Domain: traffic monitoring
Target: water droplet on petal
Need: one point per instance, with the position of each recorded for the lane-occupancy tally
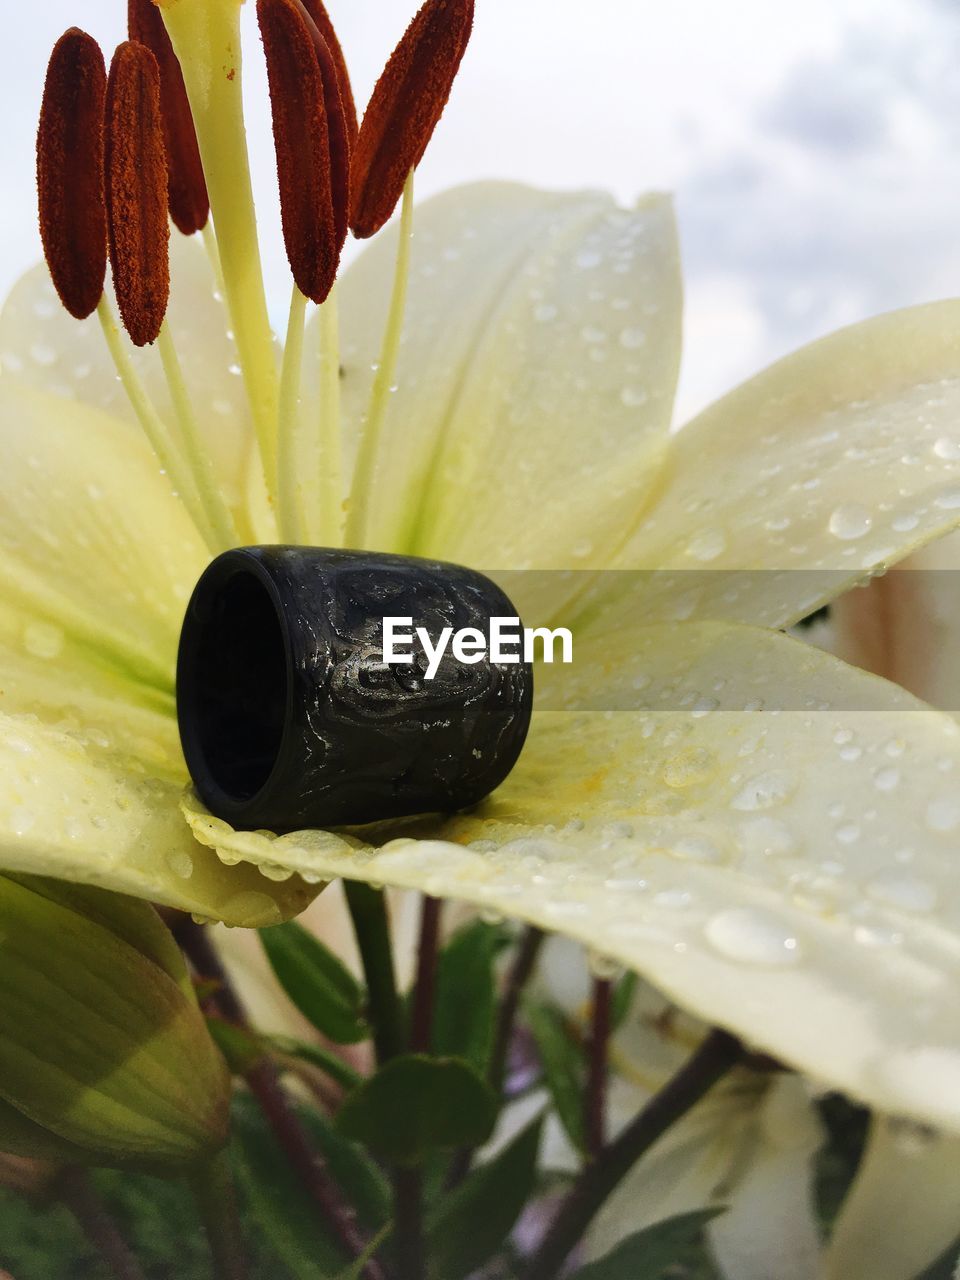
(904, 892)
(765, 791)
(850, 521)
(42, 639)
(707, 546)
(752, 937)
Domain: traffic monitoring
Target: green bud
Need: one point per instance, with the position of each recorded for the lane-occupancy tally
(104, 1053)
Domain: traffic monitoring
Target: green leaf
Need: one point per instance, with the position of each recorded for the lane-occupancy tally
(563, 1067)
(649, 1252)
(622, 1000)
(415, 1105)
(241, 1048)
(465, 1009)
(285, 1212)
(472, 1223)
(318, 983)
(316, 1056)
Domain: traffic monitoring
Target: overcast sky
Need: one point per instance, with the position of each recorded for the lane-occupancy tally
(814, 148)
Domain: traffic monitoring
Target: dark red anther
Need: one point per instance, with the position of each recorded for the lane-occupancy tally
(301, 137)
(136, 186)
(403, 112)
(339, 140)
(186, 187)
(73, 219)
(321, 20)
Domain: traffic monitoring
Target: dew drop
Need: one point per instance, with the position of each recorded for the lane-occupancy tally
(42, 639)
(633, 397)
(632, 338)
(21, 820)
(688, 767)
(943, 814)
(768, 836)
(707, 546)
(180, 863)
(904, 892)
(752, 937)
(905, 524)
(887, 779)
(765, 791)
(850, 521)
(947, 449)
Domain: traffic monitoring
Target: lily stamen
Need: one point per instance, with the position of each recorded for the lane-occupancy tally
(317, 13)
(186, 187)
(136, 188)
(302, 137)
(73, 218)
(404, 109)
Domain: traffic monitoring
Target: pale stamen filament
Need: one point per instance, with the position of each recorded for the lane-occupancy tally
(371, 427)
(161, 441)
(329, 470)
(194, 446)
(213, 255)
(206, 40)
(290, 436)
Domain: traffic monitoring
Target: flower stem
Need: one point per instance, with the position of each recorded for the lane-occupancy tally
(372, 426)
(216, 1199)
(517, 978)
(717, 1054)
(408, 1241)
(421, 1021)
(595, 1094)
(368, 911)
(74, 1189)
(264, 1083)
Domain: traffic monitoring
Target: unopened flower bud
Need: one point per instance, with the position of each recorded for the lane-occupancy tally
(104, 1054)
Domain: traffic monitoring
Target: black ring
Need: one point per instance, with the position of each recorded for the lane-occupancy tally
(289, 716)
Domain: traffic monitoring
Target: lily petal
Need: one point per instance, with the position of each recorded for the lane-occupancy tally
(73, 813)
(854, 462)
(45, 347)
(747, 1147)
(96, 548)
(537, 326)
(903, 1210)
(768, 872)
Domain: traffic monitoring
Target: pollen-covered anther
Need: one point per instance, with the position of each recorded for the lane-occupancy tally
(301, 137)
(73, 221)
(136, 186)
(404, 109)
(318, 15)
(341, 118)
(186, 187)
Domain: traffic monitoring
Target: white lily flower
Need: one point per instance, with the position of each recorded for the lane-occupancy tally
(764, 833)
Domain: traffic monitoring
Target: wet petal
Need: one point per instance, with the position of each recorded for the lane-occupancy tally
(96, 549)
(51, 351)
(536, 376)
(903, 1209)
(788, 874)
(837, 460)
(770, 1227)
(71, 811)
